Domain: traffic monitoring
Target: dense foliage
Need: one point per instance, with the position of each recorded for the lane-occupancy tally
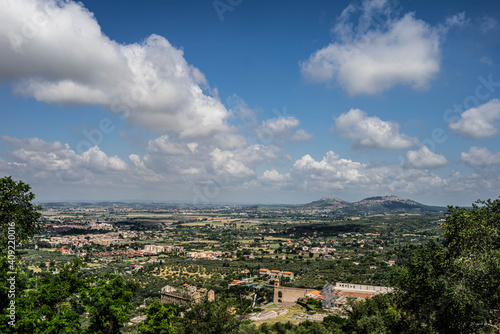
(16, 208)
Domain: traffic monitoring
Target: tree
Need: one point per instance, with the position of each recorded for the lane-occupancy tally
(55, 306)
(108, 302)
(19, 221)
(379, 314)
(452, 286)
(51, 308)
(210, 317)
(159, 319)
(473, 231)
(16, 207)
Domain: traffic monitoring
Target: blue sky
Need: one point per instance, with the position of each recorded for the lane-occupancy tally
(251, 101)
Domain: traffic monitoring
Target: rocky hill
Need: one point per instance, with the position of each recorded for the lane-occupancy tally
(370, 205)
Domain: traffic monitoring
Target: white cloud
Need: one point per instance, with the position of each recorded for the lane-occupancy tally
(63, 91)
(198, 162)
(457, 20)
(480, 157)
(59, 162)
(98, 161)
(424, 159)
(487, 23)
(301, 135)
(169, 165)
(273, 176)
(56, 52)
(371, 132)
(241, 109)
(333, 173)
(280, 130)
(224, 162)
(191, 171)
(141, 173)
(330, 168)
(164, 145)
(377, 55)
(347, 178)
(34, 144)
(208, 173)
(479, 122)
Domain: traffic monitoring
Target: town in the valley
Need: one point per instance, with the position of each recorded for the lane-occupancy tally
(285, 263)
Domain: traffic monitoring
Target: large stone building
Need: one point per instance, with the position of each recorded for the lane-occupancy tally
(330, 295)
(154, 249)
(187, 295)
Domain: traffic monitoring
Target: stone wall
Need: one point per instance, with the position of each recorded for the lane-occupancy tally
(288, 295)
(175, 298)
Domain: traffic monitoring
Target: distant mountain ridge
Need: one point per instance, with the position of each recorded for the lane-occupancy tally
(372, 205)
(328, 199)
(327, 205)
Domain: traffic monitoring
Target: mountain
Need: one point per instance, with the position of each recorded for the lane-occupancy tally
(328, 199)
(395, 204)
(370, 205)
(325, 203)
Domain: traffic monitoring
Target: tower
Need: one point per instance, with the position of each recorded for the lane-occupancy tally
(278, 294)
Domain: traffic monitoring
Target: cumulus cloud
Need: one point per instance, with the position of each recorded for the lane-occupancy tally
(57, 161)
(164, 145)
(96, 160)
(333, 173)
(477, 157)
(458, 20)
(280, 130)
(203, 172)
(380, 52)
(168, 165)
(273, 176)
(240, 108)
(56, 52)
(34, 144)
(331, 168)
(224, 162)
(424, 158)
(479, 122)
(141, 174)
(371, 132)
(198, 162)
